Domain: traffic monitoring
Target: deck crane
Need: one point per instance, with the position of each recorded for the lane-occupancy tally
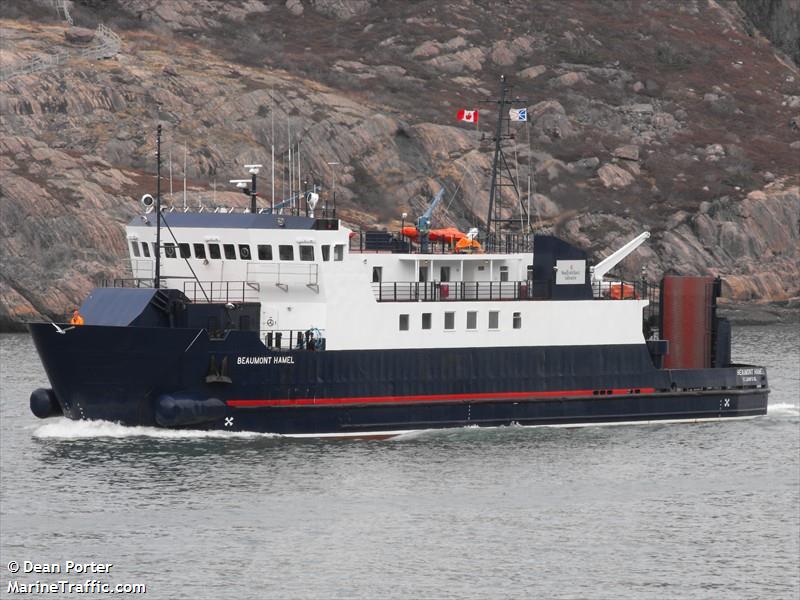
(424, 220)
(598, 272)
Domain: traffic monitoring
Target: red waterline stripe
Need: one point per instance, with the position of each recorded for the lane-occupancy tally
(433, 397)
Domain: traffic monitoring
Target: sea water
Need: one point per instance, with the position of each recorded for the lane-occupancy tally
(706, 510)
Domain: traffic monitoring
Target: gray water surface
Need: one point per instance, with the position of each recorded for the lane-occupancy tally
(649, 511)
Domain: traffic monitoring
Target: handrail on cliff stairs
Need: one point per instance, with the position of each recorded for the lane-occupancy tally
(108, 45)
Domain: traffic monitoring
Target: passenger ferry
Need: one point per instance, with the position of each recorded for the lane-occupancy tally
(296, 324)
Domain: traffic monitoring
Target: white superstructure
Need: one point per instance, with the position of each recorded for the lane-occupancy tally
(305, 276)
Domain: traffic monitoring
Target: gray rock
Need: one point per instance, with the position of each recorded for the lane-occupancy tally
(641, 108)
(614, 177)
(588, 164)
(544, 207)
(426, 50)
(627, 152)
(532, 72)
(550, 119)
(79, 35)
(295, 7)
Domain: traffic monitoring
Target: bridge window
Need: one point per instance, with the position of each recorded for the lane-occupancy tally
(213, 251)
(199, 251)
(403, 322)
(244, 251)
(146, 249)
(338, 252)
(449, 320)
(472, 319)
(494, 319)
(517, 320)
(326, 252)
(169, 250)
(185, 252)
(135, 248)
(264, 252)
(307, 253)
(230, 251)
(426, 320)
(286, 252)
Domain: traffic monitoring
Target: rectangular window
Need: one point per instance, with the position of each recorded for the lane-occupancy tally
(286, 252)
(169, 250)
(494, 319)
(377, 274)
(326, 252)
(472, 319)
(338, 252)
(244, 251)
(230, 251)
(503, 273)
(426, 320)
(403, 322)
(199, 251)
(185, 252)
(146, 249)
(449, 320)
(517, 320)
(264, 252)
(444, 274)
(135, 248)
(307, 253)
(213, 251)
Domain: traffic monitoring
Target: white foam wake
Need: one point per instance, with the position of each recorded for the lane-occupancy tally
(786, 409)
(74, 430)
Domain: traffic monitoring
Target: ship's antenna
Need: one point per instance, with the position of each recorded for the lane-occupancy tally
(530, 171)
(272, 145)
(157, 282)
(169, 157)
(291, 171)
(184, 176)
(300, 189)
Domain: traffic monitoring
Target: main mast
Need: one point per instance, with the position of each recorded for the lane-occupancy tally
(157, 282)
(501, 172)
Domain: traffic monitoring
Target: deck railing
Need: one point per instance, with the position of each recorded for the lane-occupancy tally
(222, 291)
(453, 291)
(397, 243)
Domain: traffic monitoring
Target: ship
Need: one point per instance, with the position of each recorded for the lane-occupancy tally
(281, 319)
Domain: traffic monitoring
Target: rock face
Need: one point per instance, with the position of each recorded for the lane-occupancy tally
(614, 177)
(663, 130)
(779, 20)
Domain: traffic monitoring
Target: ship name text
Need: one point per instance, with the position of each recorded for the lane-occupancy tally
(265, 360)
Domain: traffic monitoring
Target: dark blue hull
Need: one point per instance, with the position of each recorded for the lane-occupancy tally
(181, 378)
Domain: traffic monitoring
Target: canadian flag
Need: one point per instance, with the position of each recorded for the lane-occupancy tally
(470, 116)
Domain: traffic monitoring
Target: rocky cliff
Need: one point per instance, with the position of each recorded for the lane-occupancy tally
(779, 20)
(677, 118)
